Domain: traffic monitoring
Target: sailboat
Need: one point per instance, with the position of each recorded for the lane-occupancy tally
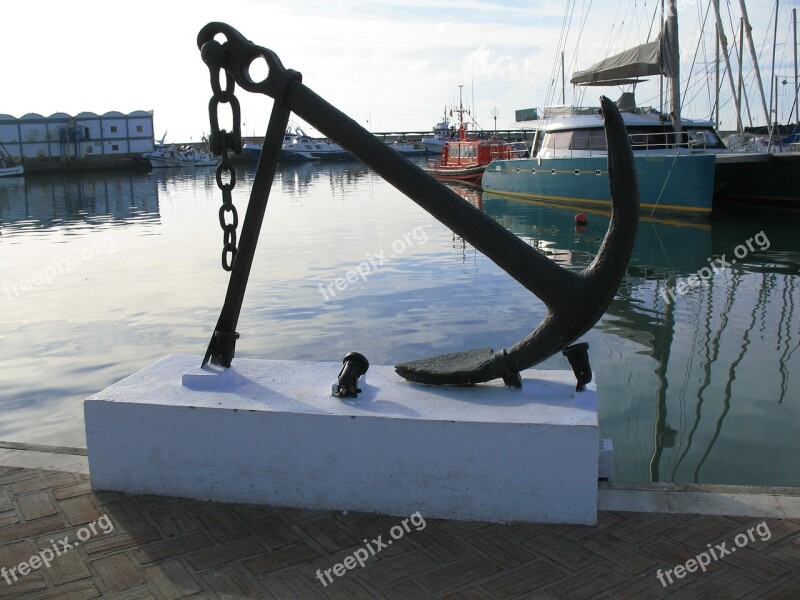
(569, 164)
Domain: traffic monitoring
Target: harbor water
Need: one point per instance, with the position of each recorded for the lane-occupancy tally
(696, 360)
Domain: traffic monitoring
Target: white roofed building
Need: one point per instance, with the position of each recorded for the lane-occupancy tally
(81, 136)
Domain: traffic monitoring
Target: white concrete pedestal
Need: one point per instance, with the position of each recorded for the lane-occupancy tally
(268, 432)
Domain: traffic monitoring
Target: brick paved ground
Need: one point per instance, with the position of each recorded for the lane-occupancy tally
(175, 548)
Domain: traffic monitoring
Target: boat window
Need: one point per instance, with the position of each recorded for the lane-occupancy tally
(559, 140)
(707, 138)
(588, 139)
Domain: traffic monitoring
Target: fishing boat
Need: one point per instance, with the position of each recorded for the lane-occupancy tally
(408, 148)
(674, 162)
(176, 156)
(298, 146)
(8, 166)
(466, 160)
(443, 132)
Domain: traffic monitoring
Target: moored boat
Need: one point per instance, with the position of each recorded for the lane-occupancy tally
(443, 132)
(297, 146)
(466, 159)
(172, 156)
(8, 166)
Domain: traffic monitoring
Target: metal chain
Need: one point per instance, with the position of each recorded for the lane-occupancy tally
(221, 142)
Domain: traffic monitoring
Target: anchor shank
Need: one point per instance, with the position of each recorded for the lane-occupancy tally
(552, 284)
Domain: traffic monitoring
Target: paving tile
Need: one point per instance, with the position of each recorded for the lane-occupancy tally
(328, 534)
(165, 549)
(222, 525)
(68, 567)
(273, 530)
(117, 572)
(523, 581)
(79, 590)
(496, 547)
(9, 518)
(231, 582)
(725, 585)
(561, 551)
(407, 590)
(70, 491)
(36, 505)
(43, 482)
(644, 527)
(220, 554)
(457, 575)
(122, 541)
(79, 510)
(172, 520)
(587, 583)
(468, 594)
(282, 586)
(13, 553)
(437, 539)
(386, 572)
(626, 556)
(172, 580)
(279, 559)
(23, 586)
(125, 515)
(49, 524)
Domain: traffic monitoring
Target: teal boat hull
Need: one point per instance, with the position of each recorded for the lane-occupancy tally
(682, 184)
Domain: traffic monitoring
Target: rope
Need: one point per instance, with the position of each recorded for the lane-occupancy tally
(661, 193)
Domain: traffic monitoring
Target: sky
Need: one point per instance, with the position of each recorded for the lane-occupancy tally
(391, 65)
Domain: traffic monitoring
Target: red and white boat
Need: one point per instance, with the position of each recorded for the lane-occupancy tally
(466, 159)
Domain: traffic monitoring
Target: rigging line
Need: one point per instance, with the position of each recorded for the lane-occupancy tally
(559, 47)
(694, 60)
(573, 63)
(653, 20)
(666, 179)
(740, 60)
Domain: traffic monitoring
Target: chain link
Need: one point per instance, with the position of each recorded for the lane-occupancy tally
(221, 142)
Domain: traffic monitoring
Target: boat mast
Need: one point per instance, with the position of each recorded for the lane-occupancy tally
(724, 42)
(773, 92)
(675, 78)
(716, 78)
(749, 33)
(661, 79)
(796, 106)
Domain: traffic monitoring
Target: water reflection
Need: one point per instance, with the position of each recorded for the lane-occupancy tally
(697, 385)
(47, 201)
(715, 352)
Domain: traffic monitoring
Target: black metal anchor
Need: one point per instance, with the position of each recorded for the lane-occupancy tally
(575, 301)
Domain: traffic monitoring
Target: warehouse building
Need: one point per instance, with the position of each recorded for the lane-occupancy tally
(84, 135)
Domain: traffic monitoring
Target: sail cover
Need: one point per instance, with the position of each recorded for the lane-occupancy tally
(653, 58)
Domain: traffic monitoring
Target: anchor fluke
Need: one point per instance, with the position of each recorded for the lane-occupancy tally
(575, 301)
